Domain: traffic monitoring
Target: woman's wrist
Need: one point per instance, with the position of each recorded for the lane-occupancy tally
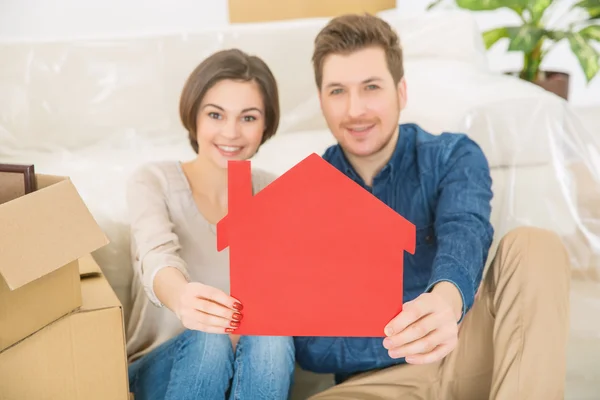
(168, 285)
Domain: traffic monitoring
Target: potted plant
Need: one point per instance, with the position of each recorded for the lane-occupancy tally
(535, 38)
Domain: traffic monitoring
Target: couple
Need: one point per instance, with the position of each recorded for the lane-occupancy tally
(455, 338)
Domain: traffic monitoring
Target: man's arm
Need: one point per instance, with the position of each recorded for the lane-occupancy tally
(462, 223)
(427, 328)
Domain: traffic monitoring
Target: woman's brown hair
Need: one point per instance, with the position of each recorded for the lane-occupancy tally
(231, 64)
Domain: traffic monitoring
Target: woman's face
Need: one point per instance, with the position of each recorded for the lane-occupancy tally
(230, 122)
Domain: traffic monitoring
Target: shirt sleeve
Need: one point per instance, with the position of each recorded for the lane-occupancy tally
(154, 243)
(462, 224)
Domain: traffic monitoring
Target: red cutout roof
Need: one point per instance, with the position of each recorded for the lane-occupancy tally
(313, 253)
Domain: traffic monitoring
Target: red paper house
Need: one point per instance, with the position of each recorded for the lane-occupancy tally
(313, 253)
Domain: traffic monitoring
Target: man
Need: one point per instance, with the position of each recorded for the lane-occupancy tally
(509, 342)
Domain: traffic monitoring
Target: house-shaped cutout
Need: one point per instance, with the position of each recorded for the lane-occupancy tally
(313, 253)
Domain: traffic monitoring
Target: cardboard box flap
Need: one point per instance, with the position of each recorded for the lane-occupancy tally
(45, 230)
(96, 291)
(88, 268)
(97, 294)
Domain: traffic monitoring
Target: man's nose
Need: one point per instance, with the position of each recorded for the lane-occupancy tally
(356, 105)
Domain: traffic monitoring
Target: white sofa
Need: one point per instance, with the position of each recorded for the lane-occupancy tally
(96, 109)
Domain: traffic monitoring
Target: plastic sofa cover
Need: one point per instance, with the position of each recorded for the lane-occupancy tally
(95, 109)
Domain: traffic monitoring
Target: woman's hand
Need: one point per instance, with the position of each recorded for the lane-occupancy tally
(199, 307)
(208, 309)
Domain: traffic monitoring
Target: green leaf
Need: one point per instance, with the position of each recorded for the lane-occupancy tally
(488, 5)
(591, 6)
(591, 32)
(537, 8)
(524, 38)
(588, 3)
(588, 57)
(556, 35)
(594, 12)
(434, 4)
(493, 35)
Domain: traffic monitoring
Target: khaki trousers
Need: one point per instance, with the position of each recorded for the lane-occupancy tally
(512, 343)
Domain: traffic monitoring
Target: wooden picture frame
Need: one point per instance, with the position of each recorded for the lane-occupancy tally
(16, 180)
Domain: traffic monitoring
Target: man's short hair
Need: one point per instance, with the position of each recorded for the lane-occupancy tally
(351, 32)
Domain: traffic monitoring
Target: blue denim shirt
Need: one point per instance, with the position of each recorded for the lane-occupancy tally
(442, 184)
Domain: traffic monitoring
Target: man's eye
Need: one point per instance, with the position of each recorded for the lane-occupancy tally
(336, 91)
(372, 87)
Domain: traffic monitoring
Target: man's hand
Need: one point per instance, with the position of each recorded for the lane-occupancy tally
(426, 330)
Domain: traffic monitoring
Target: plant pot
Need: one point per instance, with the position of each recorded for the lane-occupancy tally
(553, 81)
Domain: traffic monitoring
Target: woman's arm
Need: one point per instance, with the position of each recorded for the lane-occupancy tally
(163, 272)
(155, 245)
(169, 283)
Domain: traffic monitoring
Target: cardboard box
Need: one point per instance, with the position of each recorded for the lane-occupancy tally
(42, 234)
(81, 356)
(268, 10)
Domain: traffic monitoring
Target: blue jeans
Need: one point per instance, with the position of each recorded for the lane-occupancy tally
(197, 365)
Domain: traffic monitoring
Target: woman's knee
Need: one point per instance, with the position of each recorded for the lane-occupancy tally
(272, 351)
(205, 346)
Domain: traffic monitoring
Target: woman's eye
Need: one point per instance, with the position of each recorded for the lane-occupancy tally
(249, 118)
(214, 115)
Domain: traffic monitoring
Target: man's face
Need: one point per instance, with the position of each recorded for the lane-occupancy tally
(360, 101)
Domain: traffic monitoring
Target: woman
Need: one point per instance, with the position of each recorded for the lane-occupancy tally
(181, 336)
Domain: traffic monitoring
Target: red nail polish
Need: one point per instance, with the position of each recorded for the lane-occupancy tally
(228, 330)
(238, 306)
(235, 324)
(237, 316)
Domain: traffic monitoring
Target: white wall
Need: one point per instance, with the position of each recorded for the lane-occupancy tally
(59, 19)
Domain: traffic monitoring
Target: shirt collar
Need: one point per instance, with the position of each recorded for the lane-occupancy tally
(390, 168)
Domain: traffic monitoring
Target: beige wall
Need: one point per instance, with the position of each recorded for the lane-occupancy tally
(270, 10)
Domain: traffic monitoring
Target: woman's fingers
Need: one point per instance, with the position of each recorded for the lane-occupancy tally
(209, 309)
(212, 308)
(218, 296)
(198, 326)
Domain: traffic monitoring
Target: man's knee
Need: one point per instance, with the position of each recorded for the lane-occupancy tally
(532, 234)
(542, 248)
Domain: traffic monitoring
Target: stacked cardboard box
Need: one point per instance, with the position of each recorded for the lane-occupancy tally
(61, 325)
(241, 11)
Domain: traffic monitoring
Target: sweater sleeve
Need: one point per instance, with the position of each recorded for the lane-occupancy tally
(154, 244)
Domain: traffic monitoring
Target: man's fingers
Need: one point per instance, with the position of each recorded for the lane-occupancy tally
(423, 345)
(411, 311)
(437, 354)
(414, 331)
